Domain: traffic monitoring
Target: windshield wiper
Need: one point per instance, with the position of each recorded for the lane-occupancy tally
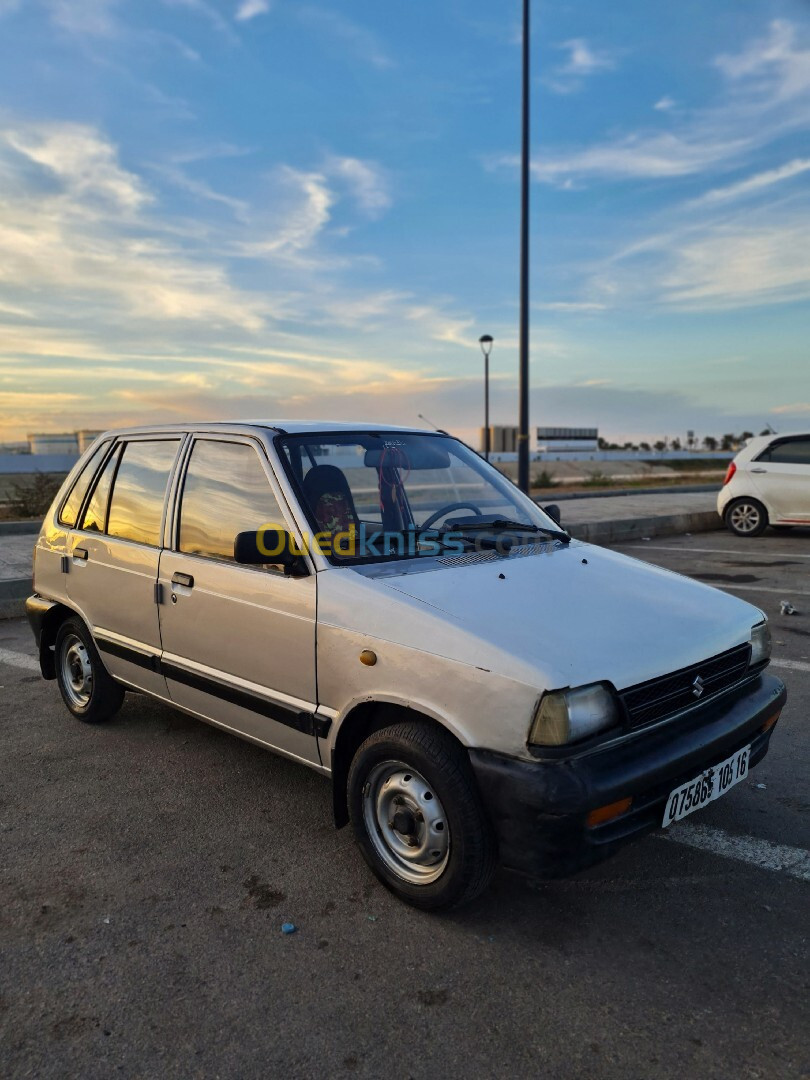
(499, 524)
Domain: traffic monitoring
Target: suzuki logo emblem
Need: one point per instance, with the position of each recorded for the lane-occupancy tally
(697, 687)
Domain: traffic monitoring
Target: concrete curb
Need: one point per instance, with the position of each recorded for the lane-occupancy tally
(19, 528)
(13, 594)
(617, 532)
(621, 493)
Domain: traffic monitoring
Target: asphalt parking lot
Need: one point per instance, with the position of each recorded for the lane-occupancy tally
(147, 867)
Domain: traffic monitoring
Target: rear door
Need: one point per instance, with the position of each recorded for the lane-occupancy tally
(238, 641)
(114, 555)
(781, 474)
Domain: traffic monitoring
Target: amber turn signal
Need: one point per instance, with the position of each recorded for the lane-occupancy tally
(608, 813)
(771, 721)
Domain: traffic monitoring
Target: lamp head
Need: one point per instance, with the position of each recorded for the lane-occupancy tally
(486, 344)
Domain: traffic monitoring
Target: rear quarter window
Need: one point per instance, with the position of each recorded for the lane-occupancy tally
(789, 452)
(73, 503)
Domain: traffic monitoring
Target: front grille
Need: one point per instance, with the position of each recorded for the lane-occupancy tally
(669, 694)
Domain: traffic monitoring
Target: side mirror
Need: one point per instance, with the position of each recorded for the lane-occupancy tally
(553, 512)
(269, 546)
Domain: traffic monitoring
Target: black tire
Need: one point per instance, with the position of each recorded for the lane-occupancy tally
(438, 767)
(746, 517)
(88, 690)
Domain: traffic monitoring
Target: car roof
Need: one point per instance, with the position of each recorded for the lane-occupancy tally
(287, 427)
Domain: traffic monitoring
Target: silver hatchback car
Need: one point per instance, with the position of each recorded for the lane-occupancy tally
(383, 606)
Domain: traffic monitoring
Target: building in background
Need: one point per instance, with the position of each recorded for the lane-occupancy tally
(503, 438)
(49, 442)
(556, 440)
(63, 442)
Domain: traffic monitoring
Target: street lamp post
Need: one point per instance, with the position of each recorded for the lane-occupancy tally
(523, 412)
(486, 348)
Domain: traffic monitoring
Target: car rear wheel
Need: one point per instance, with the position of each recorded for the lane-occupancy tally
(88, 690)
(746, 517)
(417, 816)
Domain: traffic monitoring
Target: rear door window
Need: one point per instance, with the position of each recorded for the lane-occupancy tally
(73, 504)
(139, 491)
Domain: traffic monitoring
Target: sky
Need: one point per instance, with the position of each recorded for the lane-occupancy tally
(276, 208)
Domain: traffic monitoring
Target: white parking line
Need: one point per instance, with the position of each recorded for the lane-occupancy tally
(791, 665)
(789, 590)
(18, 659)
(750, 553)
(795, 862)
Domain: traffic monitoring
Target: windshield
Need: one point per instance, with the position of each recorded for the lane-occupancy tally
(370, 495)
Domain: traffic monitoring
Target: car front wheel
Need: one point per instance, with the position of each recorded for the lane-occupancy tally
(417, 816)
(746, 517)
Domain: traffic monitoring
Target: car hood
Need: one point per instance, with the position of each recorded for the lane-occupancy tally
(580, 613)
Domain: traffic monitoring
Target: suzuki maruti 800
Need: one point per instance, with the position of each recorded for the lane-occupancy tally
(383, 606)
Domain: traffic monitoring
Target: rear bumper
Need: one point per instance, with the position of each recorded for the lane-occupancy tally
(38, 609)
(539, 809)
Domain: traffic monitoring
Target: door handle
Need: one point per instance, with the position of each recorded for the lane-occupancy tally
(759, 470)
(183, 579)
(80, 553)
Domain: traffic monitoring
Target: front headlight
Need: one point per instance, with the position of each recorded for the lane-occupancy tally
(760, 643)
(564, 716)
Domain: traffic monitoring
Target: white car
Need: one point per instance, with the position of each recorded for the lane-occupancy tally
(384, 607)
(767, 483)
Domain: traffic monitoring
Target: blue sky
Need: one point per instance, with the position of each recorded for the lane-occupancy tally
(224, 208)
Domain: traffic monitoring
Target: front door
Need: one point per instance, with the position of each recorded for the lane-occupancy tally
(238, 641)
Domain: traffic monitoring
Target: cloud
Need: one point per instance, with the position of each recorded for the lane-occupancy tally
(74, 231)
(664, 104)
(776, 64)
(206, 11)
(309, 201)
(367, 183)
(84, 162)
(755, 183)
(765, 95)
(749, 261)
(249, 9)
(94, 18)
(575, 307)
(364, 44)
(109, 298)
(583, 61)
(305, 203)
(800, 408)
(656, 156)
(8, 7)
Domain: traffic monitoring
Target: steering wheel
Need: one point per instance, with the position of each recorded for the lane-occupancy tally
(448, 510)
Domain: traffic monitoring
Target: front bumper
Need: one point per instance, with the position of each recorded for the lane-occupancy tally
(539, 809)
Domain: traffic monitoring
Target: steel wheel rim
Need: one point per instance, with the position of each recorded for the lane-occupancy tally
(406, 823)
(745, 517)
(77, 671)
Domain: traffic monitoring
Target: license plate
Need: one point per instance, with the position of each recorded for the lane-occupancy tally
(710, 785)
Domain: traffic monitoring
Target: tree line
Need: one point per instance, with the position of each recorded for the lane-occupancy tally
(710, 443)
